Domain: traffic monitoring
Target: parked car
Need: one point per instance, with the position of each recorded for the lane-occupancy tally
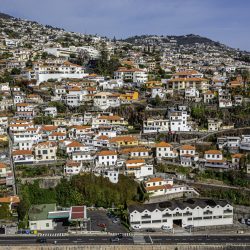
(243, 221)
(188, 227)
(115, 221)
(102, 225)
(120, 236)
(136, 226)
(115, 239)
(151, 230)
(41, 240)
(248, 222)
(165, 227)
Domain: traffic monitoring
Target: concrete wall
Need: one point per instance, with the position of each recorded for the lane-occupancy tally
(135, 247)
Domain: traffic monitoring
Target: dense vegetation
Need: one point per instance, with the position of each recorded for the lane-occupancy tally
(232, 177)
(85, 189)
(237, 197)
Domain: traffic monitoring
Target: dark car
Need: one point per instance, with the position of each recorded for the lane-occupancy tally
(151, 230)
(120, 236)
(188, 227)
(116, 239)
(41, 240)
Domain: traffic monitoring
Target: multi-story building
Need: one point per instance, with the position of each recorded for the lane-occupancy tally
(133, 75)
(214, 159)
(194, 212)
(43, 71)
(155, 125)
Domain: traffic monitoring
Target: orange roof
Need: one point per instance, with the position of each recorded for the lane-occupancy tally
(209, 92)
(196, 79)
(103, 137)
(58, 134)
(71, 64)
(72, 163)
(110, 118)
(134, 149)
(106, 153)
(187, 147)
(22, 152)
(80, 127)
(211, 160)
(153, 188)
(22, 104)
(46, 144)
(216, 152)
(49, 127)
(135, 161)
(237, 155)
(187, 72)
(75, 89)
(2, 165)
(10, 199)
(163, 145)
(123, 69)
(155, 179)
(75, 144)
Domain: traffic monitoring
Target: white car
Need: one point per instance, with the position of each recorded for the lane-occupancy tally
(136, 226)
(165, 227)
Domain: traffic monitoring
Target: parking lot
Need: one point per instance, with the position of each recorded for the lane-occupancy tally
(100, 217)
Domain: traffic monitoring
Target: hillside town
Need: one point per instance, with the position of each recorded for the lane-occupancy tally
(145, 134)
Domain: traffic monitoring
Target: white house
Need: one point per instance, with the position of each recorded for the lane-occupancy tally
(72, 168)
(38, 217)
(188, 155)
(138, 168)
(106, 158)
(214, 159)
(112, 175)
(179, 120)
(165, 150)
(23, 156)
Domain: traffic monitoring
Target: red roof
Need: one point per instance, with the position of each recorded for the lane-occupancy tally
(77, 212)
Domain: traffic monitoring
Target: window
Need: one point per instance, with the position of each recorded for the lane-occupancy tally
(47, 224)
(207, 217)
(156, 221)
(197, 218)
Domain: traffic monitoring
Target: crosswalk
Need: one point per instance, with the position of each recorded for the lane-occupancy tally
(51, 234)
(124, 234)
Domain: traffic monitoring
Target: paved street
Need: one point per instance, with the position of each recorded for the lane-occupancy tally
(127, 240)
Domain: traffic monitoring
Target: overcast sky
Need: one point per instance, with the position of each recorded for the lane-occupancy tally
(227, 21)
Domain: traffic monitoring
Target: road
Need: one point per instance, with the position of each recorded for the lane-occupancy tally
(128, 240)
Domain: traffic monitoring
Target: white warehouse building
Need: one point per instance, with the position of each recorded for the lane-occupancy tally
(194, 212)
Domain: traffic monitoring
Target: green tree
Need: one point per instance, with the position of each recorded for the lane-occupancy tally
(15, 71)
(4, 212)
